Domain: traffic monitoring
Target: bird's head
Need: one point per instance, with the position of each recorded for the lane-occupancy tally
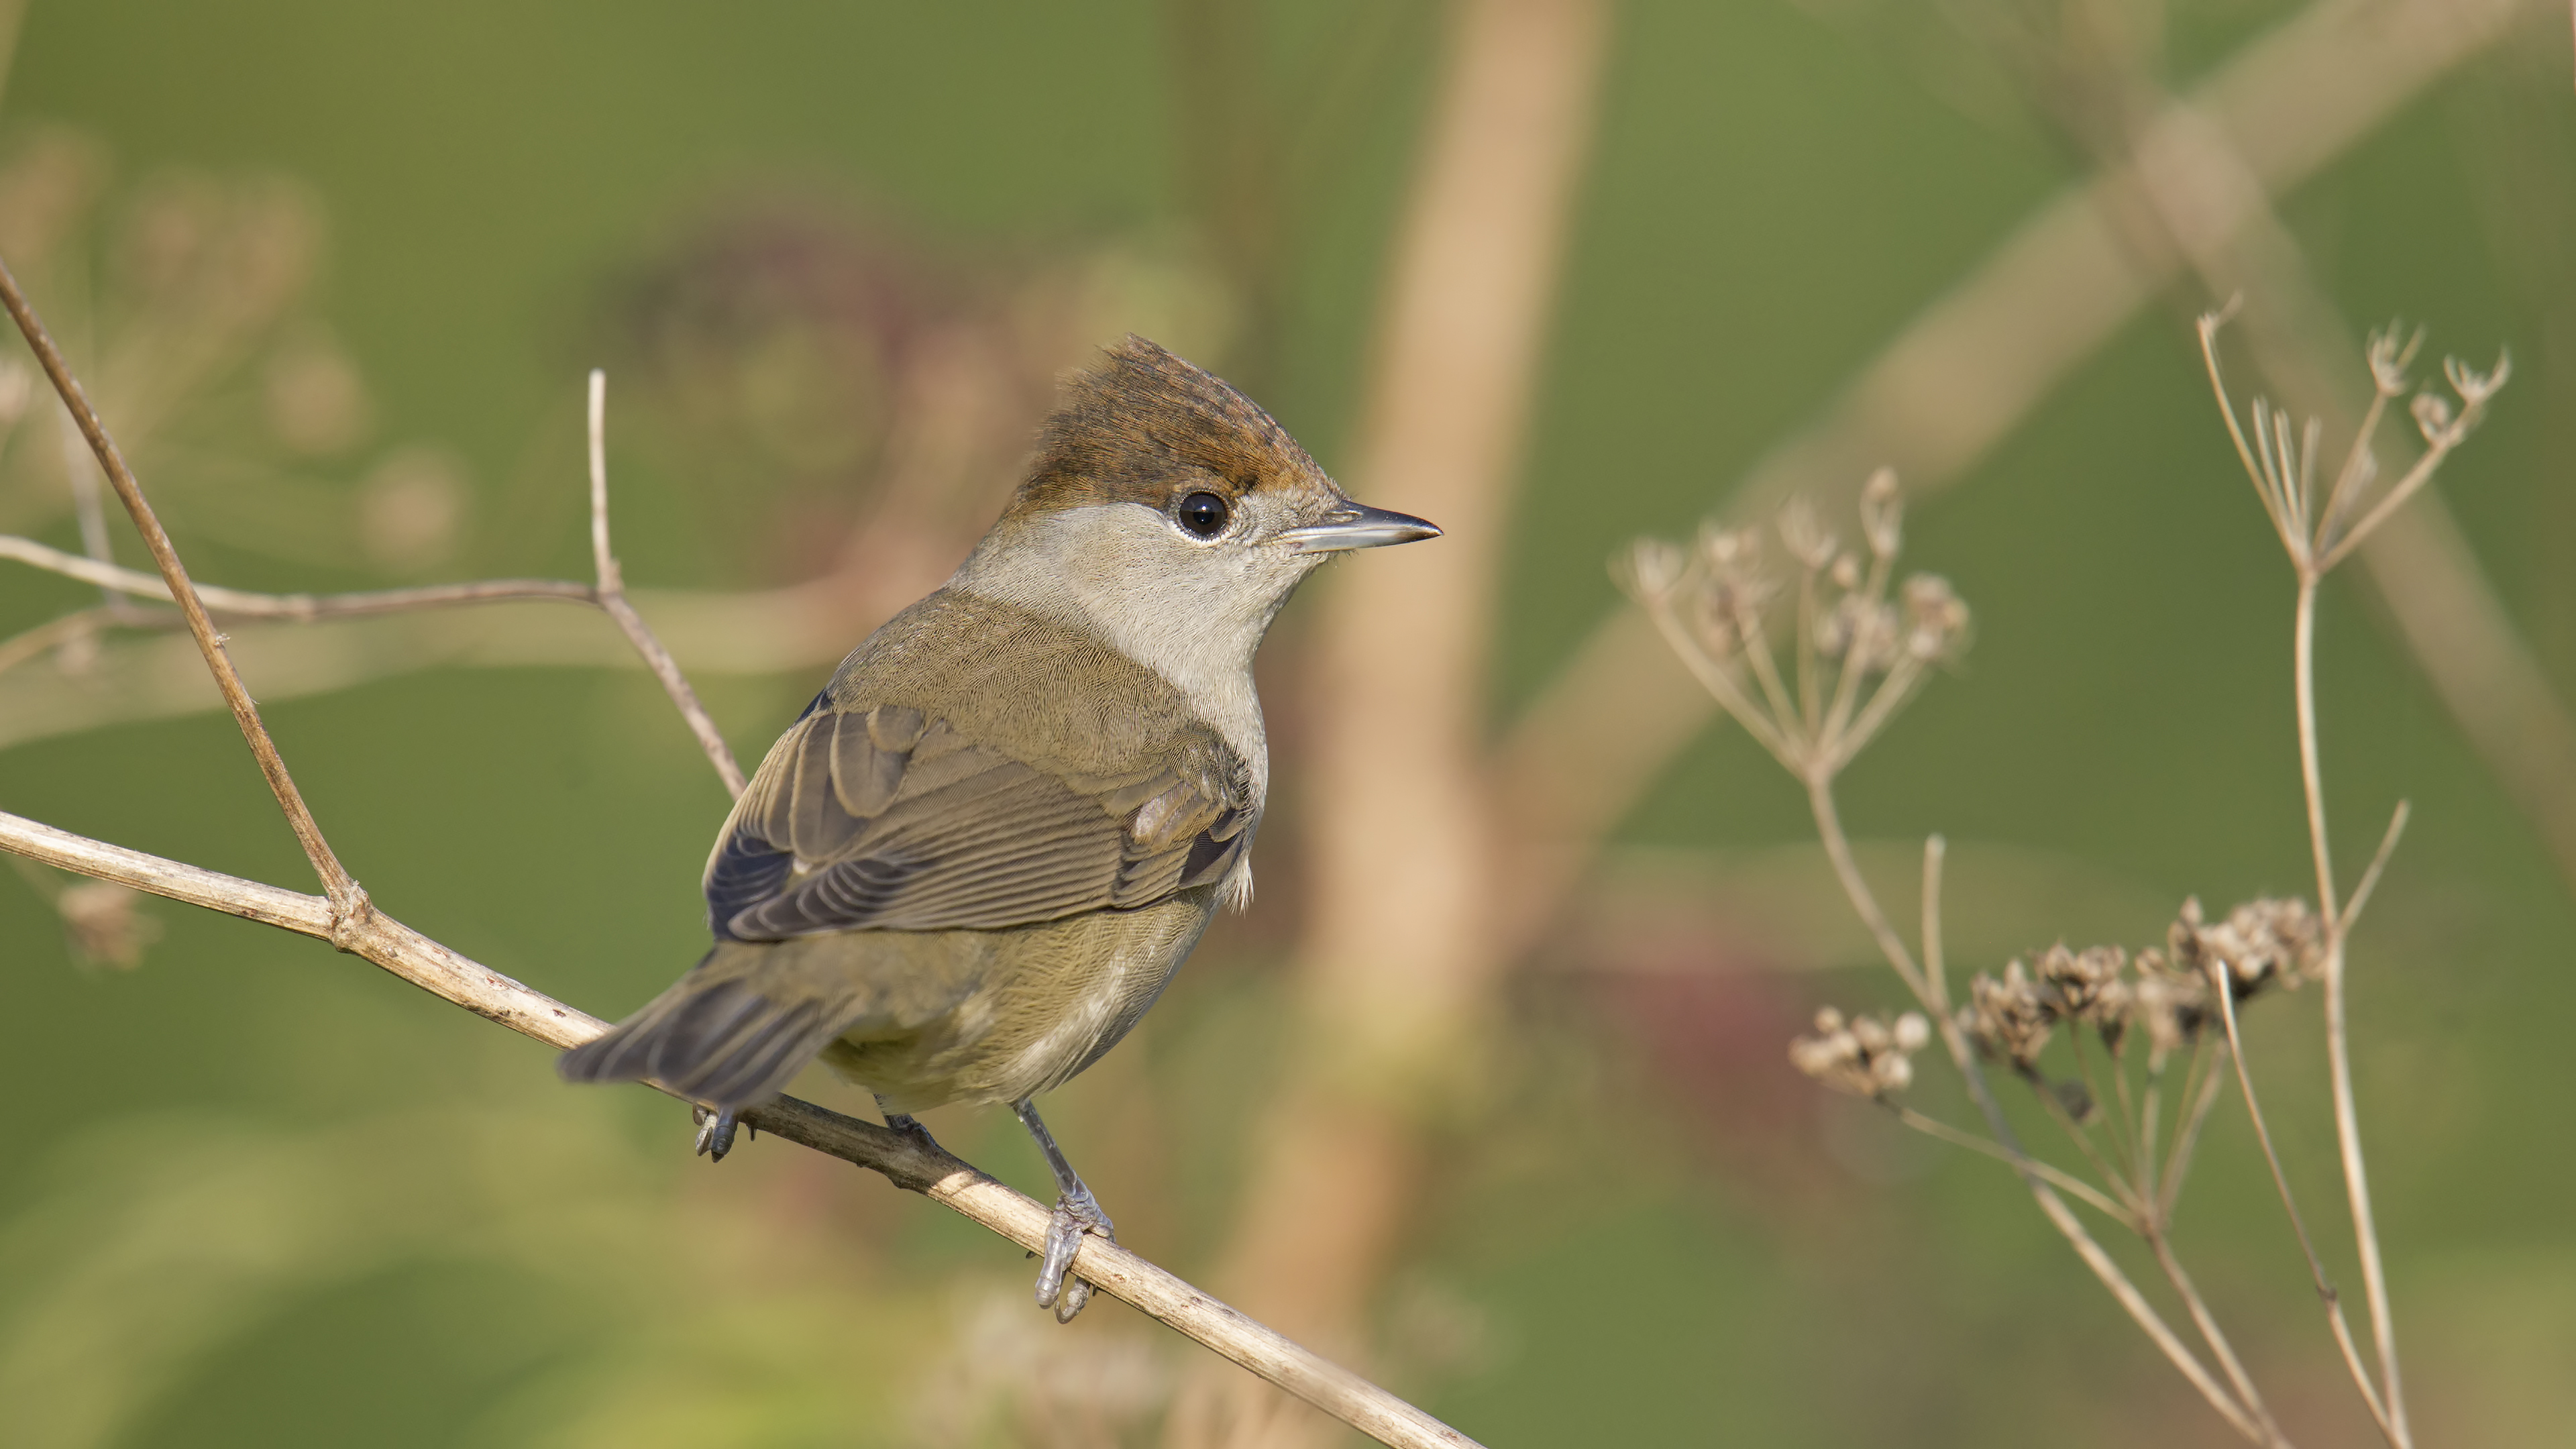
(1164, 507)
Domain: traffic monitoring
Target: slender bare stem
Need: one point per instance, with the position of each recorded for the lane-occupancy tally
(1847, 690)
(2150, 1121)
(905, 1161)
(2115, 1124)
(2084, 1143)
(2370, 877)
(1936, 977)
(2356, 1179)
(1757, 652)
(2405, 488)
(1811, 705)
(2326, 1293)
(2057, 1177)
(2210, 322)
(1721, 685)
(348, 902)
(2210, 1334)
(1838, 850)
(2187, 1136)
(2304, 670)
(612, 598)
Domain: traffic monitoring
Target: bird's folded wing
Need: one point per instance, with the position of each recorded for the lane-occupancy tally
(883, 819)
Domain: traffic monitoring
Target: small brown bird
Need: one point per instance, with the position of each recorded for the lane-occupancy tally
(980, 854)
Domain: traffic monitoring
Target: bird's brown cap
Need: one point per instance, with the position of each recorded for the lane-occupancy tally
(1145, 427)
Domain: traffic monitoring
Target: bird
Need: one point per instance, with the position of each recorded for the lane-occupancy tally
(970, 866)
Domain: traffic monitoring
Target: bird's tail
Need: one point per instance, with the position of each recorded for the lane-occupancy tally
(721, 1035)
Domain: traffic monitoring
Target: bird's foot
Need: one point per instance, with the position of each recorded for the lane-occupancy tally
(910, 1126)
(1076, 1213)
(715, 1132)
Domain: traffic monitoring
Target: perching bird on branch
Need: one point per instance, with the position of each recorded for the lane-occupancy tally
(981, 853)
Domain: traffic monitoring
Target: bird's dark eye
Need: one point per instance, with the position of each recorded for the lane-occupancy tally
(1202, 514)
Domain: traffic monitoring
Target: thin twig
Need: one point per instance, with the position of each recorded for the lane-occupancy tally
(611, 596)
(1936, 975)
(297, 608)
(348, 902)
(903, 1160)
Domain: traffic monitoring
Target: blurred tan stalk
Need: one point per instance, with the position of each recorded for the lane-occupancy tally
(1398, 948)
(1966, 371)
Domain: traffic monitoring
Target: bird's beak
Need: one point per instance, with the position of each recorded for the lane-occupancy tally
(1355, 525)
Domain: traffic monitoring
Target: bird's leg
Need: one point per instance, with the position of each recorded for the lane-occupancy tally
(909, 1125)
(715, 1132)
(1076, 1212)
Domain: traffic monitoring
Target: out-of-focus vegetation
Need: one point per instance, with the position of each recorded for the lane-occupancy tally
(335, 273)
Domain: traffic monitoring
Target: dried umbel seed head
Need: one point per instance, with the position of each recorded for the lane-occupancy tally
(2433, 418)
(2172, 1004)
(1871, 634)
(2476, 387)
(1864, 1056)
(1653, 568)
(2087, 986)
(2389, 357)
(2008, 1018)
(1862, 648)
(2261, 943)
(1937, 620)
(1730, 552)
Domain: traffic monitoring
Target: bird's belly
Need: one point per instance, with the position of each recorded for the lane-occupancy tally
(1051, 998)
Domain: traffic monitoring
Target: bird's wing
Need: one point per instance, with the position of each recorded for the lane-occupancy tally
(885, 819)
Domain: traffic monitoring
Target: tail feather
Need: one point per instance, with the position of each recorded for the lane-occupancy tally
(720, 1041)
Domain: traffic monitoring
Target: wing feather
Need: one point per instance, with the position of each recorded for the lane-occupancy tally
(885, 819)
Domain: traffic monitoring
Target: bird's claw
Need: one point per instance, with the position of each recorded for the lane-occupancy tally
(1075, 1215)
(715, 1132)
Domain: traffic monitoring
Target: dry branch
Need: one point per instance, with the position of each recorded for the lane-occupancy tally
(902, 1160)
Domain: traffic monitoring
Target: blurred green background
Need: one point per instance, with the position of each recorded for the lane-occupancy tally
(263, 1194)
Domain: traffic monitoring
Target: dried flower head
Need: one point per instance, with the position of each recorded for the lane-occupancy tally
(2261, 943)
(1865, 1056)
(2170, 1001)
(2320, 520)
(2087, 986)
(1860, 642)
(2389, 357)
(2009, 1017)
